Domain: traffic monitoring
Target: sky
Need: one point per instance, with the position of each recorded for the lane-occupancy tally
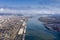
(30, 6)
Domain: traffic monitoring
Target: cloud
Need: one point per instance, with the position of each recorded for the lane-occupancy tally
(6, 10)
(47, 10)
(36, 7)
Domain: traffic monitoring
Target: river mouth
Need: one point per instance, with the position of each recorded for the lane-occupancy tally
(37, 31)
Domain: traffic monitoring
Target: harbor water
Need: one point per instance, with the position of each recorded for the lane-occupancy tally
(37, 31)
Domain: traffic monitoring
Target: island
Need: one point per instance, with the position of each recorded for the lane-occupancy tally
(51, 22)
